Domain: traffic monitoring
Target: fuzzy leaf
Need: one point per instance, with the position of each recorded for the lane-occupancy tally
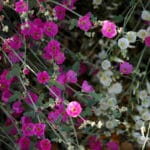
(30, 113)
(76, 66)
(148, 86)
(40, 99)
(32, 4)
(14, 72)
(15, 96)
(118, 19)
(87, 112)
(50, 103)
(52, 82)
(73, 24)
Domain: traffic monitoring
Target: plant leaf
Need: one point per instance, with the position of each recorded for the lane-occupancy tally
(15, 96)
(15, 71)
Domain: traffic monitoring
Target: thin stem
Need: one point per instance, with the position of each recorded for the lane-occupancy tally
(7, 144)
(77, 14)
(64, 141)
(75, 133)
(139, 62)
(146, 69)
(146, 138)
(34, 106)
(9, 116)
(38, 59)
(128, 16)
(7, 136)
(142, 4)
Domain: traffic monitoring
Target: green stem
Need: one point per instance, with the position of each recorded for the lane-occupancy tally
(146, 138)
(77, 14)
(7, 136)
(7, 144)
(75, 133)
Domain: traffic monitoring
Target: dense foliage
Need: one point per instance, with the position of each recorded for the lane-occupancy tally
(74, 74)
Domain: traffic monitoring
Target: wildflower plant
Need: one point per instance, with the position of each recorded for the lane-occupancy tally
(74, 74)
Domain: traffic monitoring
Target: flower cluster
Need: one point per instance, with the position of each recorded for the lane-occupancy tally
(72, 79)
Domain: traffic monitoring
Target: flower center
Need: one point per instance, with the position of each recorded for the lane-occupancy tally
(49, 29)
(83, 22)
(108, 29)
(29, 128)
(54, 48)
(73, 109)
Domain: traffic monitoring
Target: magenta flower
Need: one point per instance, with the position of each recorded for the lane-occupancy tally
(18, 107)
(84, 23)
(6, 94)
(13, 131)
(8, 122)
(43, 77)
(4, 82)
(16, 114)
(25, 28)
(147, 41)
(94, 143)
(15, 42)
(71, 76)
(62, 78)
(21, 6)
(50, 29)
(83, 68)
(33, 97)
(39, 129)
(6, 46)
(73, 109)
(86, 87)
(47, 56)
(45, 144)
(58, 112)
(15, 58)
(25, 119)
(59, 58)
(79, 121)
(62, 112)
(26, 71)
(112, 146)
(27, 129)
(38, 22)
(125, 68)
(55, 90)
(53, 116)
(60, 12)
(36, 32)
(109, 29)
(53, 48)
(24, 143)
